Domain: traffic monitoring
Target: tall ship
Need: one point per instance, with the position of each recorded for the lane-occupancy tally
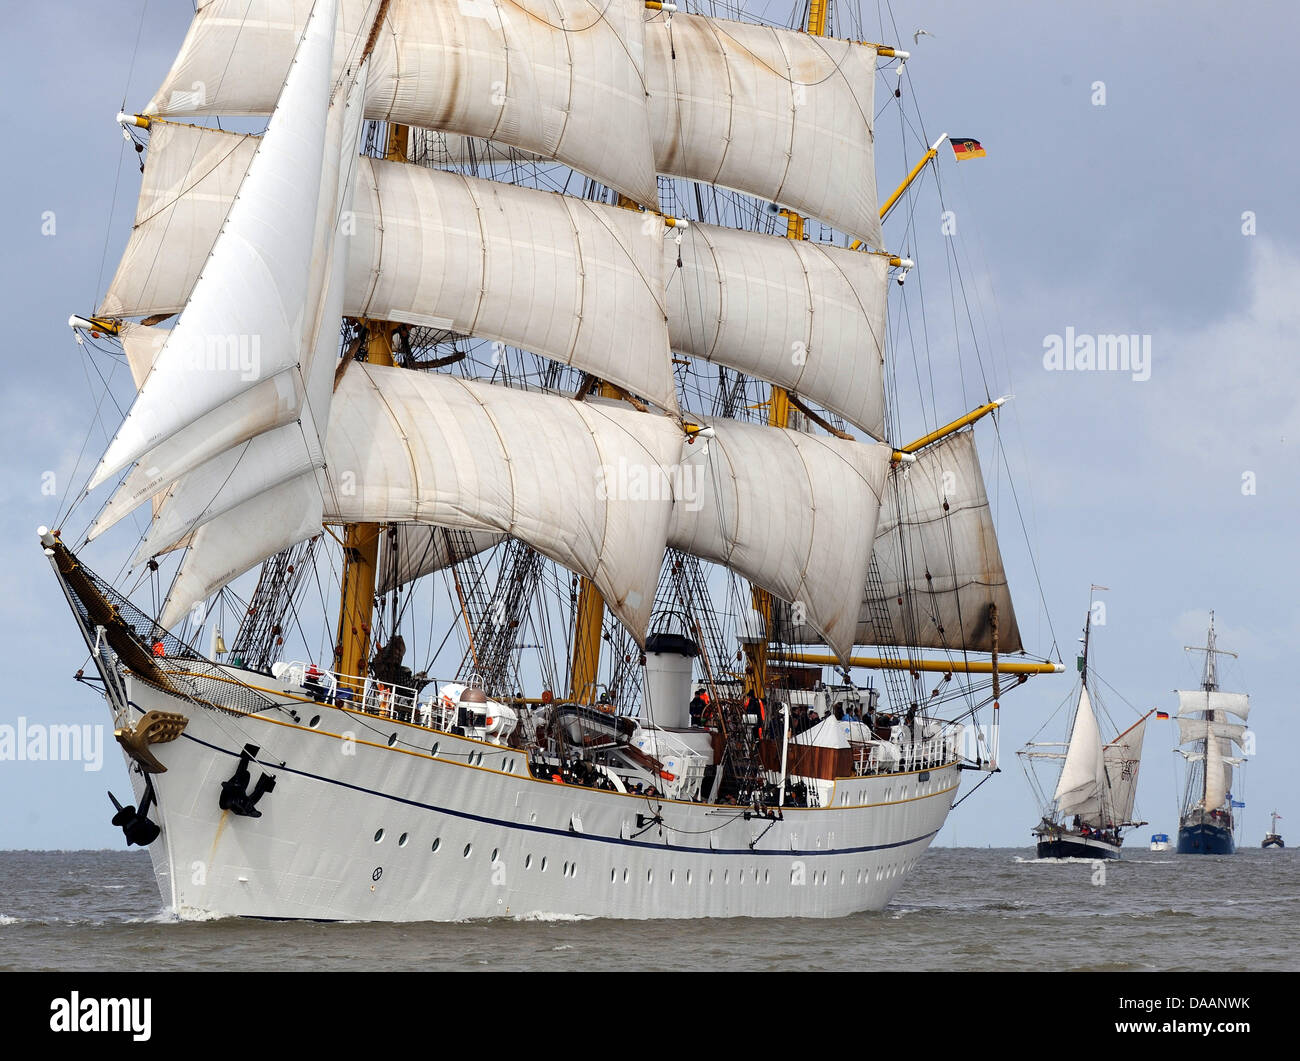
(547, 338)
(1092, 801)
(1208, 740)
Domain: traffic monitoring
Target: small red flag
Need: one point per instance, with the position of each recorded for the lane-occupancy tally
(964, 148)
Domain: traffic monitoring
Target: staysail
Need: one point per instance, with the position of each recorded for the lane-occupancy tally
(254, 499)
(246, 321)
(1081, 788)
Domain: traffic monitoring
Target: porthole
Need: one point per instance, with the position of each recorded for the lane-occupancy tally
(841, 876)
(649, 876)
(528, 862)
(401, 840)
(468, 849)
(434, 750)
(494, 854)
(437, 843)
(710, 876)
(625, 874)
(379, 835)
(767, 878)
(726, 876)
(672, 876)
(392, 739)
(315, 721)
(613, 876)
(544, 861)
(688, 876)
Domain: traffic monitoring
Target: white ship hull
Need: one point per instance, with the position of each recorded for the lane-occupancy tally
(467, 832)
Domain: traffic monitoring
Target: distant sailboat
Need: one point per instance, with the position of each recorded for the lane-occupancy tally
(1093, 798)
(1205, 825)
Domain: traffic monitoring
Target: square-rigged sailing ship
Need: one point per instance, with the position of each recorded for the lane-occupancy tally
(339, 280)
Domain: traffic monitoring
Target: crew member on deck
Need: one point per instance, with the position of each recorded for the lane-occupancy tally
(698, 706)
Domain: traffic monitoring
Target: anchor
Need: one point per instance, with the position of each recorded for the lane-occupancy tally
(234, 792)
(135, 824)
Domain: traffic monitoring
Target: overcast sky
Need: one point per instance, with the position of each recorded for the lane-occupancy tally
(1167, 211)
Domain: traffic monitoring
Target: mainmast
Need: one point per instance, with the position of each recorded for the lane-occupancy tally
(353, 646)
(1209, 684)
(778, 415)
(589, 613)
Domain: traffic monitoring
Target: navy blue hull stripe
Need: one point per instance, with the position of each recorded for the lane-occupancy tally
(524, 827)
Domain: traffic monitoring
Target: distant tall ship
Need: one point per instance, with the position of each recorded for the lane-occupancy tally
(1205, 826)
(1273, 838)
(1093, 799)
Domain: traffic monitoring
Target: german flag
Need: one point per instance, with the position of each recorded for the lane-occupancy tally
(1162, 715)
(964, 148)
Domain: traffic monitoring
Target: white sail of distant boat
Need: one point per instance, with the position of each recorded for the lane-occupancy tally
(1212, 746)
(1096, 790)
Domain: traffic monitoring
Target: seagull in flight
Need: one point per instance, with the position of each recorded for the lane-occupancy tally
(916, 37)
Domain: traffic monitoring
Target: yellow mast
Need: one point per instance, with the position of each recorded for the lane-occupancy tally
(589, 619)
(778, 415)
(361, 540)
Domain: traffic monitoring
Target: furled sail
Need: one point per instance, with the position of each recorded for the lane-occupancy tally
(792, 512)
(1081, 788)
(586, 484)
(1190, 729)
(1123, 760)
(1191, 703)
(779, 114)
(576, 281)
(937, 554)
(245, 322)
(413, 550)
(562, 78)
